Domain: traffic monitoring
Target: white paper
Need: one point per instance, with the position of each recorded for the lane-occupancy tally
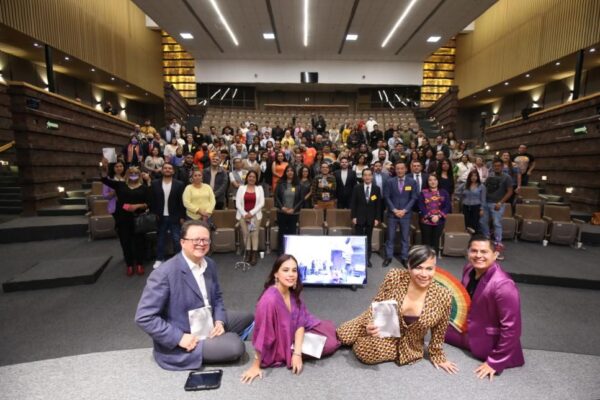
(201, 322)
(313, 344)
(385, 317)
(110, 154)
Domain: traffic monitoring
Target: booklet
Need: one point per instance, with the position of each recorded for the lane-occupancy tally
(201, 322)
(110, 154)
(313, 344)
(385, 317)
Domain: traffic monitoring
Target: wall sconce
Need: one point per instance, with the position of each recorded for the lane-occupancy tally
(544, 178)
(61, 189)
(3, 163)
(487, 147)
(569, 189)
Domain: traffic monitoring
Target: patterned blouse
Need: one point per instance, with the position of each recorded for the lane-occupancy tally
(434, 202)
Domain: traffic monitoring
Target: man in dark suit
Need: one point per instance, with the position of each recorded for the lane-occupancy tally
(188, 282)
(400, 195)
(218, 180)
(420, 177)
(441, 146)
(345, 180)
(167, 205)
(365, 207)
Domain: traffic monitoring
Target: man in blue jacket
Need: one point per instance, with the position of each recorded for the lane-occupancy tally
(183, 285)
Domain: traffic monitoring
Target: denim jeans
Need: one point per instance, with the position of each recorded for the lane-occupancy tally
(484, 222)
(165, 225)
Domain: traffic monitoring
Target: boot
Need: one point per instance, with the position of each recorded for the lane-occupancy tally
(253, 257)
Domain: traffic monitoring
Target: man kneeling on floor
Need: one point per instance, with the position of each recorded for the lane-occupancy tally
(181, 300)
(494, 320)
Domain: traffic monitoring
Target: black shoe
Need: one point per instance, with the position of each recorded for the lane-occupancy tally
(404, 263)
(386, 262)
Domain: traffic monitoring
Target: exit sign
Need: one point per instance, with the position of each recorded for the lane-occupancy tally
(580, 130)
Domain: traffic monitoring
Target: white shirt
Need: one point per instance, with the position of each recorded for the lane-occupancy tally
(370, 124)
(344, 175)
(198, 273)
(419, 180)
(379, 180)
(367, 191)
(167, 190)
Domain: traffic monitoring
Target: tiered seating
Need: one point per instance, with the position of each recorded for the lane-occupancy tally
(221, 117)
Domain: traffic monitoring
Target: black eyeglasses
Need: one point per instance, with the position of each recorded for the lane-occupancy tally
(202, 241)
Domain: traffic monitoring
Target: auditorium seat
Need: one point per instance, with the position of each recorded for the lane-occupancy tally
(338, 222)
(224, 238)
(456, 236)
(311, 222)
(530, 227)
(561, 229)
(509, 224)
(100, 223)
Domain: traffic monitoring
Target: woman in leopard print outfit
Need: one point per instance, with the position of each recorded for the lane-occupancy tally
(423, 305)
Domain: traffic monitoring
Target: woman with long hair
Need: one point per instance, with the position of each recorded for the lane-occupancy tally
(116, 173)
(434, 204)
(277, 168)
(423, 306)
(154, 163)
(288, 199)
(306, 185)
(359, 167)
(133, 198)
(249, 201)
(316, 166)
(512, 170)
(281, 320)
(472, 199)
(445, 175)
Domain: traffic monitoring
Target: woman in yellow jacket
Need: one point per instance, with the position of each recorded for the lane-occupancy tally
(198, 198)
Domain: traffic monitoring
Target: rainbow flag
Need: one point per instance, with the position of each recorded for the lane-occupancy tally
(461, 301)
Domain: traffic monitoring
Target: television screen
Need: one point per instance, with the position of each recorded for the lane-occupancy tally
(309, 77)
(329, 260)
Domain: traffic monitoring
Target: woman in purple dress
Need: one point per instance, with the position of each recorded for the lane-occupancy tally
(281, 320)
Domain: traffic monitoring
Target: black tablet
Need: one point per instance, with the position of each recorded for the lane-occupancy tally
(204, 380)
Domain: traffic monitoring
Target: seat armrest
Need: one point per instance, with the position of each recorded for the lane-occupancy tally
(325, 225)
(547, 219)
(578, 221)
(471, 231)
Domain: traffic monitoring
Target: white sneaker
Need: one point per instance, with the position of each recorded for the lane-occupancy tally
(156, 264)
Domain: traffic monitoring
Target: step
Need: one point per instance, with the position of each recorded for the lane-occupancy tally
(28, 229)
(72, 200)
(11, 196)
(11, 210)
(8, 180)
(10, 202)
(86, 185)
(10, 189)
(78, 193)
(62, 210)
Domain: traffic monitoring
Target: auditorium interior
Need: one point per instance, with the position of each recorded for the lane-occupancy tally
(85, 81)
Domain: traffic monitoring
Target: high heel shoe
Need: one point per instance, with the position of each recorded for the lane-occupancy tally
(139, 269)
(129, 270)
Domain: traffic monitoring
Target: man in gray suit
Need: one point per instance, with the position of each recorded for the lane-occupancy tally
(188, 282)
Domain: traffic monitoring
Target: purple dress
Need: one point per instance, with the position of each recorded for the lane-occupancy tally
(275, 327)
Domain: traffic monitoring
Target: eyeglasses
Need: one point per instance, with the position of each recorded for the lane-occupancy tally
(201, 241)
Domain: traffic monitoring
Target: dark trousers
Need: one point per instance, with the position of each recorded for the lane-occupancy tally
(166, 225)
(228, 347)
(132, 243)
(220, 205)
(287, 226)
(471, 214)
(430, 235)
(367, 230)
(343, 202)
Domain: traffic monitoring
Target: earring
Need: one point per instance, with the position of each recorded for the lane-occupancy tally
(294, 287)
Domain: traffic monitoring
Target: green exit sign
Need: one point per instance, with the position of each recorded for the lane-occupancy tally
(580, 130)
(51, 125)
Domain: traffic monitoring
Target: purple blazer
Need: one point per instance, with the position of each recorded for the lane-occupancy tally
(494, 320)
(170, 292)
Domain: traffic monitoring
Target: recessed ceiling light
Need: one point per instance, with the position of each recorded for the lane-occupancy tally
(305, 37)
(146, 93)
(474, 96)
(489, 90)
(224, 22)
(433, 39)
(505, 83)
(527, 75)
(37, 45)
(93, 69)
(351, 36)
(268, 36)
(112, 78)
(67, 58)
(397, 24)
(593, 50)
(186, 35)
(557, 63)
(127, 85)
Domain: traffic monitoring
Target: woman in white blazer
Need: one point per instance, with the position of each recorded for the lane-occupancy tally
(249, 202)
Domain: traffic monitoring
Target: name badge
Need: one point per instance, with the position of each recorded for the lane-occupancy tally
(408, 188)
(293, 189)
(374, 197)
(325, 196)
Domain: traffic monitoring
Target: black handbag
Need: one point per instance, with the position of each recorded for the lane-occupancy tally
(145, 223)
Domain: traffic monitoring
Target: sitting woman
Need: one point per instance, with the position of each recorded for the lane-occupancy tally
(423, 305)
(281, 321)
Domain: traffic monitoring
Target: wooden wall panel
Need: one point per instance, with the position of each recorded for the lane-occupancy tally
(565, 158)
(175, 105)
(6, 132)
(66, 156)
(109, 34)
(445, 110)
(515, 36)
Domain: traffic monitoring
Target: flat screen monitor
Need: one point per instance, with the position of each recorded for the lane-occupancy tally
(309, 77)
(329, 260)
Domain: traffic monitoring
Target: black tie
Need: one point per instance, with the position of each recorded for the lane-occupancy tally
(367, 193)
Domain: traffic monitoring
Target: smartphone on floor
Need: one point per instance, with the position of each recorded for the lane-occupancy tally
(204, 380)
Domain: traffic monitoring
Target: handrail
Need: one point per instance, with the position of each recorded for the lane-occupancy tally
(7, 146)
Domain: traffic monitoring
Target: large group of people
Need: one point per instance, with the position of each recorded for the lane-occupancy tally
(309, 166)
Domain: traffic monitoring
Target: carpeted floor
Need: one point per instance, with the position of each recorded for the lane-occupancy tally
(132, 374)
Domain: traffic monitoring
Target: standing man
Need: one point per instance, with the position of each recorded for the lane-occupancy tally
(441, 146)
(188, 283)
(494, 318)
(365, 207)
(499, 188)
(525, 162)
(167, 205)
(216, 177)
(345, 181)
(324, 188)
(420, 177)
(400, 195)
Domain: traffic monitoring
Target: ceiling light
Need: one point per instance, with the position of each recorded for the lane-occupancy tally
(593, 50)
(224, 21)
(112, 78)
(489, 90)
(234, 93)
(186, 35)
(404, 14)
(67, 58)
(351, 36)
(225, 94)
(505, 83)
(215, 93)
(386, 96)
(146, 94)
(127, 85)
(569, 189)
(37, 45)
(380, 96)
(474, 96)
(268, 36)
(544, 178)
(93, 69)
(433, 39)
(527, 75)
(557, 63)
(305, 41)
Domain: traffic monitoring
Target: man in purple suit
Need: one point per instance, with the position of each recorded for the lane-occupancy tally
(184, 286)
(494, 320)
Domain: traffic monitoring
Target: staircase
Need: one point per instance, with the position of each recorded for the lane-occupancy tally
(430, 127)
(10, 192)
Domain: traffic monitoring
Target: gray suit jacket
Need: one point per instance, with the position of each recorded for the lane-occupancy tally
(170, 292)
